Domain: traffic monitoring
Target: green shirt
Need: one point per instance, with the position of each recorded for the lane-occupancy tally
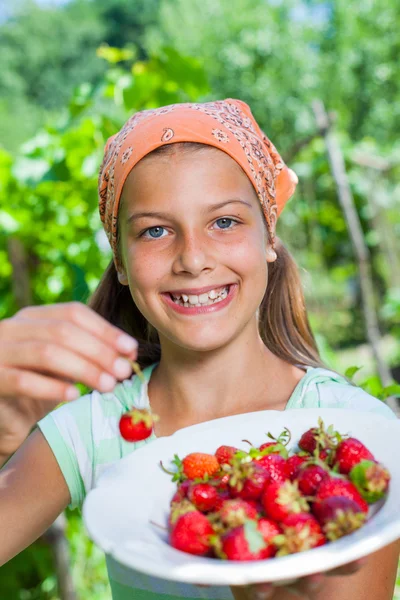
(85, 439)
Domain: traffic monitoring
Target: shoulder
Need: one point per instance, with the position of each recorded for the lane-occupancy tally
(327, 389)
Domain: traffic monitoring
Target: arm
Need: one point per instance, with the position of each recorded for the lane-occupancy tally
(374, 579)
(33, 492)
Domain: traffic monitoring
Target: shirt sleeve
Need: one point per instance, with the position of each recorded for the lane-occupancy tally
(68, 431)
(344, 395)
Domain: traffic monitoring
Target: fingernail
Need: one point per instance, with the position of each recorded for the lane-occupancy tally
(106, 382)
(72, 393)
(125, 343)
(122, 368)
(263, 593)
(315, 582)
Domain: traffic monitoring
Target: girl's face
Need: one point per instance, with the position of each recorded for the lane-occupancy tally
(206, 230)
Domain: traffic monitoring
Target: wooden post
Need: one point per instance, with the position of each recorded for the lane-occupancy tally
(346, 200)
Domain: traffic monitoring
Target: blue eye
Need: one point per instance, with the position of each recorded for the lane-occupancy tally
(157, 229)
(225, 219)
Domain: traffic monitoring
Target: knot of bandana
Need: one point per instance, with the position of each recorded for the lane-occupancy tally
(225, 124)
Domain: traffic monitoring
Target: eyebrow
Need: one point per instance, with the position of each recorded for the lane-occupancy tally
(162, 215)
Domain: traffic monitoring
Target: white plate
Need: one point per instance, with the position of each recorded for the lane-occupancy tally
(135, 490)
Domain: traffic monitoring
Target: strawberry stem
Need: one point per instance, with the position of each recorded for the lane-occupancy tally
(158, 525)
(138, 370)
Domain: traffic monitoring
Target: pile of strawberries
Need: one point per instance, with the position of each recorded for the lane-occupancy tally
(263, 502)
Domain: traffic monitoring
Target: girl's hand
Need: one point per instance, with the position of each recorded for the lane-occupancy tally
(45, 349)
(305, 588)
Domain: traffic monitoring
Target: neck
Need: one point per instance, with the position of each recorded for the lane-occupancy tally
(243, 376)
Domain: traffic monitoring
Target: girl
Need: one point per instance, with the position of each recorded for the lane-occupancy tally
(189, 198)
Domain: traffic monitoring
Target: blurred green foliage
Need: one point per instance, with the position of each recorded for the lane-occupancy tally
(59, 102)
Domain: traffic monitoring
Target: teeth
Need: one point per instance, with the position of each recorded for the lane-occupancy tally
(194, 300)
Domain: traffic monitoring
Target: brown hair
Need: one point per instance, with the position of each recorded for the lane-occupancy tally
(283, 322)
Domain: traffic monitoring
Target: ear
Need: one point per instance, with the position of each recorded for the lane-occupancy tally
(122, 278)
(270, 253)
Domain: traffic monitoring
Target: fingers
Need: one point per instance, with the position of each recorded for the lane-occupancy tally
(84, 317)
(56, 360)
(69, 336)
(17, 383)
(350, 568)
(259, 591)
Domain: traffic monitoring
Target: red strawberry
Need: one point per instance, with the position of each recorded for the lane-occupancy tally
(203, 496)
(248, 481)
(177, 510)
(269, 529)
(235, 512)
(336, 486)
(136, 425)
(338, 516)
(273, 446)
(246, 543)
(181, 492)
(224, 454)
(275, 465)
(293, 463)
(349, 453)
(192, 533)
(221, 498)
(371, 479)
(196, 465)
(282, 499)
(308, 441)
(309, 479)
(301, 532)
(319, 440)
(221, 483)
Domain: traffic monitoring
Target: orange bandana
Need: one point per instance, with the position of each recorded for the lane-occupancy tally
(225, 124)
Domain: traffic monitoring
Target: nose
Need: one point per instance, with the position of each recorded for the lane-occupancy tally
(193, 255)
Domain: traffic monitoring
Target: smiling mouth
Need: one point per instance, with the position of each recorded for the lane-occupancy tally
(206, 299)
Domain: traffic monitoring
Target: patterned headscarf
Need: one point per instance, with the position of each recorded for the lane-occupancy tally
(226, 124)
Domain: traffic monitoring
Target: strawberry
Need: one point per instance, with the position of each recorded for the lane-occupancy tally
(293, 463)
(203, 495)
(309, 479)
(275, 465)
(319, 441)
(248, 481)
(136, 425)
(181, 492)
(270, 447)
(349, 453)
(221, 482)
(338, 516)
(301, 532)
(221, 497)
(269, 530)
(338, 486)
(177, 510)
(246, 542)
(224, 454)
(192, 533)
(308, 441)
(196, 465)
(371, 479)
(278, 445)
(282, 499)
(235, 512)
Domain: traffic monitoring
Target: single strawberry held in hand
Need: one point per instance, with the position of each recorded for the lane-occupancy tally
(137, 424)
